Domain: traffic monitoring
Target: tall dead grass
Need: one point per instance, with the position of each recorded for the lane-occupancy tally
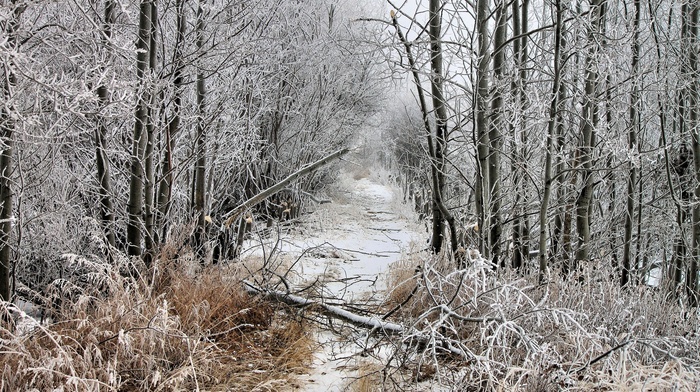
(184, 332)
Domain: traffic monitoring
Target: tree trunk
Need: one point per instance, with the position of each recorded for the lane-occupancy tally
(551, 137)
(231, 216)
(149, 185)
(633, 146)
(434, 171)
(166, 183)
(101, 161)
(438, 159)
(201, 145)
(7, 130)
(519, 165)
(482, 129)
(495, 139)
(136, 184)
(693, 9)
(589, 120)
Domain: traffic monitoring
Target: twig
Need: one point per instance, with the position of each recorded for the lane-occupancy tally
(603, 355)
(361, 252)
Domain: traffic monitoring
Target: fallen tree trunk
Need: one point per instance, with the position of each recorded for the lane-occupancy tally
(410, 336)
(371, 322)
(234, 214)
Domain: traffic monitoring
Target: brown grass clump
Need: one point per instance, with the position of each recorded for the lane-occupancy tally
(190, 333)
(402, 279)
(369, 378)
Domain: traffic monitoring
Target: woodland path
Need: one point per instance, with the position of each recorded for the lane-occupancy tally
(348, 245)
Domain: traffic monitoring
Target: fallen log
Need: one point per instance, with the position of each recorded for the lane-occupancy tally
(409, 336)
(234, 214)
(368, 322)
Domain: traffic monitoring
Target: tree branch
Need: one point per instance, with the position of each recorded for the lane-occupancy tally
(232, 215)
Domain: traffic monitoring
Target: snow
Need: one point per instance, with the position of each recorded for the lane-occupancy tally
(348, 244)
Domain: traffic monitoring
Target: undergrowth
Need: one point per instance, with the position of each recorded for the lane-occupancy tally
(484, 330)
(182, 331)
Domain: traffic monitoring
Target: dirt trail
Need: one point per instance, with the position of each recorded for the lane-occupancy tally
(353, 241)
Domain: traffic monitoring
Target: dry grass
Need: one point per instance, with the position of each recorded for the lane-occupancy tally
(369, 378)
(186, 332)
(402, 279)
(516, 335)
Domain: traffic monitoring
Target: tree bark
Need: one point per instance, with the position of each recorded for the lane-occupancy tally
(519, 165)
(135, 206)
(438, 159)
(589, 120)
(171, 130)
(692, 41)
(482, 129)
(7, 130)
(551, 137)
(201, 144)
(495, 138)
(633, 146)
(101, 161)
(149, 185)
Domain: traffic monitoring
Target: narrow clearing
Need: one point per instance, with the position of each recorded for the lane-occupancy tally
(346, 246)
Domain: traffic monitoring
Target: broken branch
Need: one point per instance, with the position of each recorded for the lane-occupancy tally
(232, 215)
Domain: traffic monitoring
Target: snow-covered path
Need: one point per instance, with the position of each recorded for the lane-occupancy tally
(353, 240)
(348, 244)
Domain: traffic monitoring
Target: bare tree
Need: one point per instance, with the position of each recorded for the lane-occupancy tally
(495, 138)
(633, 146)
(165, 186)
(691, 16)
(7, 130)
(482, 187)
(588, 124)
(519, 165)
(101, 159)
(140, 137)
(438, 150)
(552, 127)
(201, 139)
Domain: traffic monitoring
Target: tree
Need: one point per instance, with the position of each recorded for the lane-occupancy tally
(438, 149)
(101, 159)
(172, 129)
(140, 138)
(482, 187)
(588, 124)
(691, 44)
(495, 138)
(633, 146)
(201, 140)
(552, 136)
(519, 165)
(7, 130)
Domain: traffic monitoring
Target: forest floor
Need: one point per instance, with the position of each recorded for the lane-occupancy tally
(343, 248)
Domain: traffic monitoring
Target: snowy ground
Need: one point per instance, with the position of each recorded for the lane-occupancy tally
(347, 245)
